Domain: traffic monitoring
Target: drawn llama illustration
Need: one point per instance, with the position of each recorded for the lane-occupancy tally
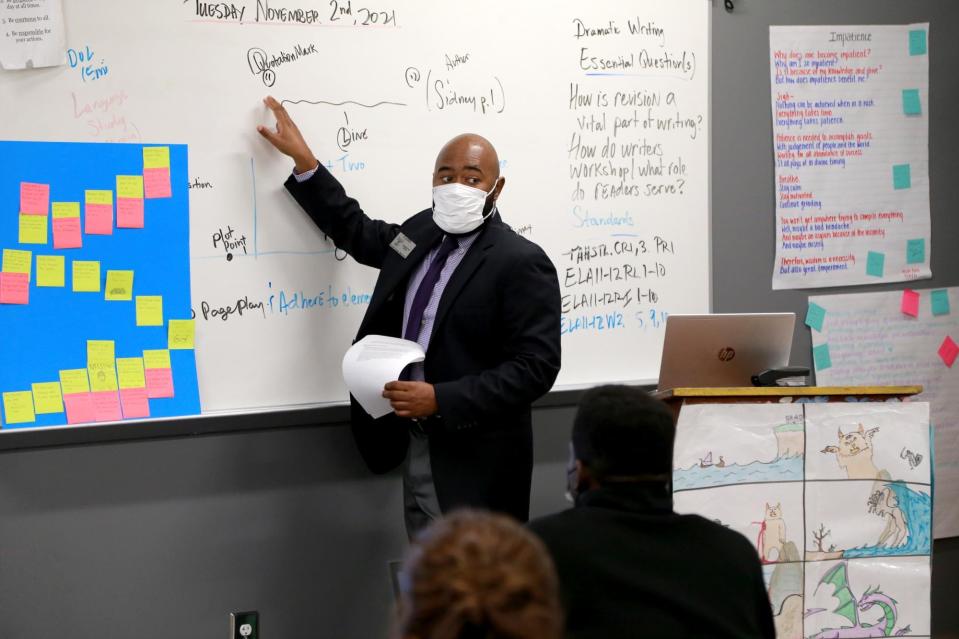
(772, 535)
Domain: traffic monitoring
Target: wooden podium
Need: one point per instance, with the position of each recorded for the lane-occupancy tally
(676, 398)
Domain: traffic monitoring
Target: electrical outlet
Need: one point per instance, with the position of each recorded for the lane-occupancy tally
(245, 625)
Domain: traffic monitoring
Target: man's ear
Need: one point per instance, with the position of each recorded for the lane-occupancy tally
(584, 476)
(498, 187)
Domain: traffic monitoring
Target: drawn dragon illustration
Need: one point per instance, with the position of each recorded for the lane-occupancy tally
(851, 608)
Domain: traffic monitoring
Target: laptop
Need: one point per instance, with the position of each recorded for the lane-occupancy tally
(723, 350)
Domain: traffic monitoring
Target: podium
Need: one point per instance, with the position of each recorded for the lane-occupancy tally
(832, 486)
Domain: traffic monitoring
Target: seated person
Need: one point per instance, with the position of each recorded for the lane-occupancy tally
(628, 565)
(476, 575)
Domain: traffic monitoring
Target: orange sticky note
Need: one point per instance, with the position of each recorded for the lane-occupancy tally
(910, 303)
(159, 382)
(156, 183)
(66, 233)
(129, 213)
(14, 288)
(79, 408)
(99, 213)
(106, 406)
(134, 403)
(34, 198)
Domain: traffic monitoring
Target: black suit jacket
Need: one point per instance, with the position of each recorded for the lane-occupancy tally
(630, 567)
(495, 347)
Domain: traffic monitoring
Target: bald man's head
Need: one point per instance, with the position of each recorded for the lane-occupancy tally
(468, 159)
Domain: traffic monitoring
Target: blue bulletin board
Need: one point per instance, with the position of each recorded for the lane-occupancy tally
(52, 331)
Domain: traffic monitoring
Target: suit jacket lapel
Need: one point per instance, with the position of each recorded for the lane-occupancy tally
(392, 275)
(473, 259)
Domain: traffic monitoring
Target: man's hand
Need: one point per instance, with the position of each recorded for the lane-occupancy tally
(287, 137)
(415, 400)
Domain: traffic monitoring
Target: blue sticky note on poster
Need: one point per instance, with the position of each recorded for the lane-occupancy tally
(875, 263)
(917, 42)
(916, 251)
(820, 357)
(901, 176)
(910, 102)
(940, 302)
(815, 316)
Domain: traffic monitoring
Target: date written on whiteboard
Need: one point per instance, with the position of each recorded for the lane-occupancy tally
(264, 11)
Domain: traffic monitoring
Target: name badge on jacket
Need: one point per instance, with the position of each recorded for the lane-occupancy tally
(402, 245)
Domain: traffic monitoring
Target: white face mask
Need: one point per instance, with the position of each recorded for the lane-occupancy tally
(458, 208)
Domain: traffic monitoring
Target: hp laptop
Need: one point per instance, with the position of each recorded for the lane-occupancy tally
(723, 350)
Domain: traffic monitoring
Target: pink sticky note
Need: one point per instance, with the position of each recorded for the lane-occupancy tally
(34, 198)
(106, 406)
(156, 183)
(129, 213)
(134, 402)
(159, 382)
(948, 351)
(79, 408)
(66, 233)
(910, 303)
(99, 219)
(14, 288)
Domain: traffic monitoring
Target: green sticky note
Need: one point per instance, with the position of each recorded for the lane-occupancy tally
(917, 42)
(47, 398)
(119, 286)
(15, 261)
(815, 316)
(915, 251)
(820, 357)
(86, 277)
(33, 229)
(50, 270)
(875, 263)
(74, 381)
(910, 102)
(149, 310)
(157, 358)
(18, 407)
(901, 177)
(156, 157)
(130, 372)
(181, 334)
(940, 302)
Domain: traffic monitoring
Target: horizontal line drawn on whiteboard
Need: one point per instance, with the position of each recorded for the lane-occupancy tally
(265, 253)
(637, 75)
(368, 106)
(364, 27)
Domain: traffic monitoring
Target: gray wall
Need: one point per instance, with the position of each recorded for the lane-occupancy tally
(163, 538)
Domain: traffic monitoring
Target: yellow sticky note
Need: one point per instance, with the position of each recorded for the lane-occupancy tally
(15, 261)
(130, 186)
(156, 157)
(50, 270)
(18, 407)
(86, 277)
(119, 286)
(149, 310)
(100, 351)
(99, 197)
(130, 372)
(157, 359)
(66, 209)
(181, 334)
(47, 398)
(74, 381)
(33, 229)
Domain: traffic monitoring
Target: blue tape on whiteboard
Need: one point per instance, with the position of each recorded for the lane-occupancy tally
(51, 332)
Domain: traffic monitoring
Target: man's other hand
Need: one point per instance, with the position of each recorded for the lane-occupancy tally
(415, 400)
(287, 137)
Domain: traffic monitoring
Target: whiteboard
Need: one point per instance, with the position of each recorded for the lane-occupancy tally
(599, 112)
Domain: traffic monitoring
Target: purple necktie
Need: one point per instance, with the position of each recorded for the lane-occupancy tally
(425, 291)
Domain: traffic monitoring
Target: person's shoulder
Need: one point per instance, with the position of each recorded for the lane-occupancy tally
(558, 525)
(724, 538)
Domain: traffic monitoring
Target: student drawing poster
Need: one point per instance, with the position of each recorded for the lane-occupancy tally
(869, 339)
(836, 497)
(850, 111)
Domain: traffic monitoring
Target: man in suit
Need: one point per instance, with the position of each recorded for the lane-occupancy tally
(628, 565)
(482, 301)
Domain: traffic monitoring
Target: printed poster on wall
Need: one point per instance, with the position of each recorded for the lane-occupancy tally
(899, 338)
(850, 111)
(841, 520)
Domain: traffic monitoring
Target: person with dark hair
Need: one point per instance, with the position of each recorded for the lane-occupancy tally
(476, 575)
(628, 565)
